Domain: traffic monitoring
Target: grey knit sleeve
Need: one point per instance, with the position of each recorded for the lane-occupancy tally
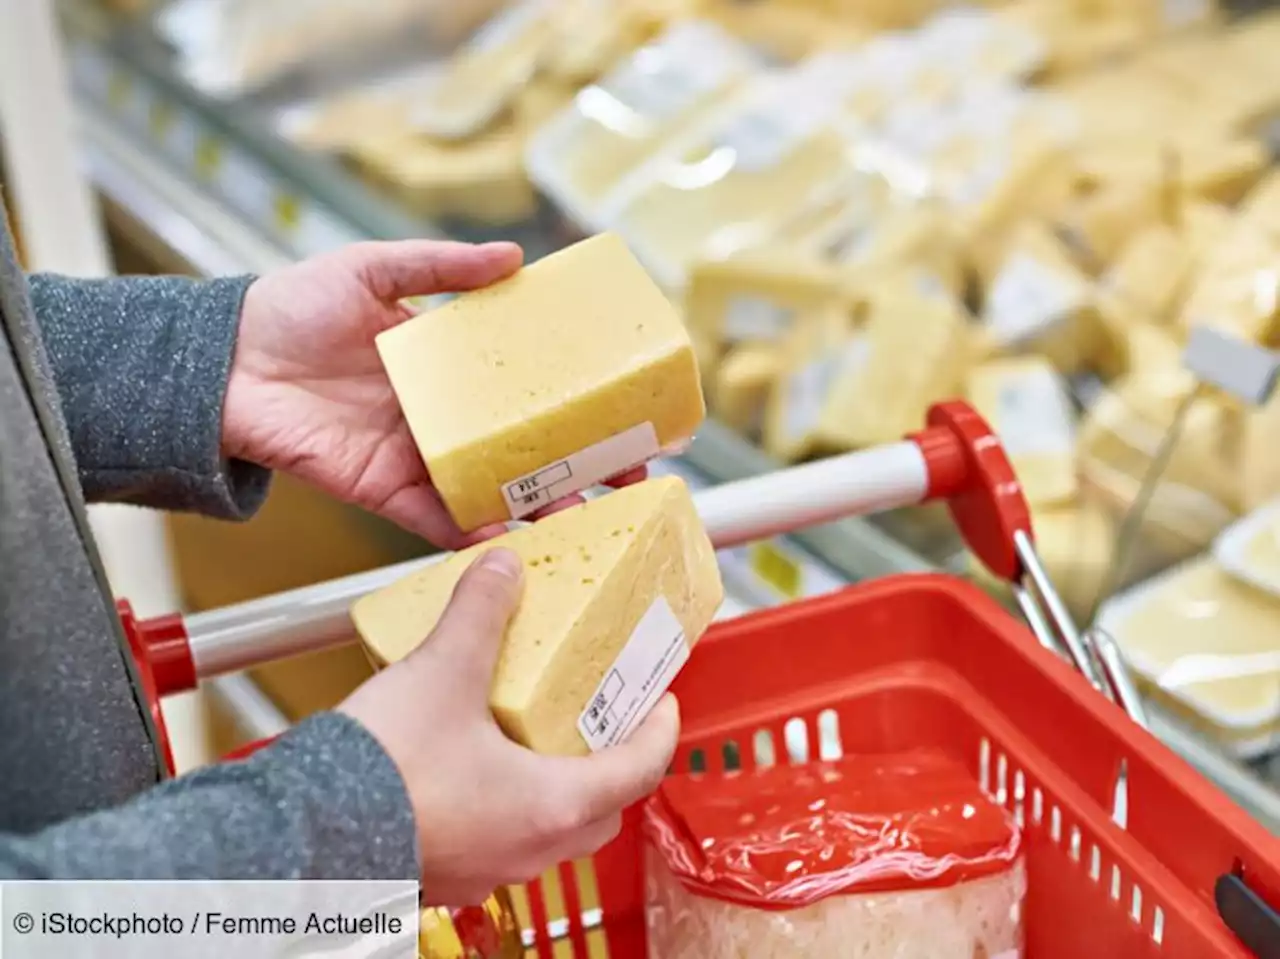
(324, 801)
(141, 366)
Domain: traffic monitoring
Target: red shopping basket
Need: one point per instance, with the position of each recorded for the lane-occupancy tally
(1130, 851)
(927, 660)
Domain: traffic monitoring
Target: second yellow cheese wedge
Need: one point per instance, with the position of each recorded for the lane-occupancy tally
(617, 590)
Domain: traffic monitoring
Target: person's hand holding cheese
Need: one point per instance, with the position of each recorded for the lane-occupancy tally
(491, 812)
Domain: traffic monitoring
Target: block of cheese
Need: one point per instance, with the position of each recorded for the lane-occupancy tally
(1238, 287)
(588, 37)
(756, 295)
(573, 370)
(1222, 171)
(1026, 402)
(1041, 302)
(1076, 543)
(788, 32)
(1151, 272)
(1209, 644)
(772, 145)
(487, 73)
(1259, 466)
(742, 385)
(912, 352)
(623, 584)
(821, 348)
(613, 125)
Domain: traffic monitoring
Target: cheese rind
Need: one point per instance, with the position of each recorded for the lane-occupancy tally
(570, 352)
(591, 574)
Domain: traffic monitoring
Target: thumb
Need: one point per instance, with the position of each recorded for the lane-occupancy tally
(400, 269)
(617, 777)
(468, 637)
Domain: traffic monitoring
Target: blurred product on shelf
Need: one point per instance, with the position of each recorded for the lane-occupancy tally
(899, 855)
(1208, 645)
(570, 372)
(489, 931)
(617, 591)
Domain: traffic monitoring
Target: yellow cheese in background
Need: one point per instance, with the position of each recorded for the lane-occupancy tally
(1261, 208)
(1142, 346)
(756, 295)
(1259, 463)
(1026, 402)
(570, 352)
(1151, 272)
(1238, 286)
(592, 573)
(1041, 302)
(1222, 171)
(788, 32)
(1100, 224)
(912, 352)
(1193, 624)
(588, 38)
(742, 385)
(816, 352)
(1076, 543)
(485, 76)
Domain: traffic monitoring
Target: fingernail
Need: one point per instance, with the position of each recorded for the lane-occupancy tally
(501, 561)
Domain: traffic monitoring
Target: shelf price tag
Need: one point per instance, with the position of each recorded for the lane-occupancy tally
(776, 568)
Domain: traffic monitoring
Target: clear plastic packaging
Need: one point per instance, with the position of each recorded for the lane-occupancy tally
(229, 48)
(615, 124)
(874, 857)
(1209, 644)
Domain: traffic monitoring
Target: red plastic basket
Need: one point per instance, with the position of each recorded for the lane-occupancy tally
(927, 660)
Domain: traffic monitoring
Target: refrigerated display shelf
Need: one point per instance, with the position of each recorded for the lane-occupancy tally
(226, 198)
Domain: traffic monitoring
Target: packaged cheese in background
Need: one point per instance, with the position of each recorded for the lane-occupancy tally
(616, 592)
(572, 371)
(1209, 646)
(1026, 402)
(913, 351)
(1150, 274)
(822, 348)
(775, 144)
(612, 126)
(742, 384)
(787, 32)
(1238, 287)
(1040, 301)
(875, 856)
(1249, 549)
(486, 74)
(591, 37)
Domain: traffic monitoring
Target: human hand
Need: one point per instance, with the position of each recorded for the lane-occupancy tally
(489, 812)
(308, 394)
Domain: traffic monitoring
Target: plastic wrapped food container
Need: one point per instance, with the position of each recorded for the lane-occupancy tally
(870, 856)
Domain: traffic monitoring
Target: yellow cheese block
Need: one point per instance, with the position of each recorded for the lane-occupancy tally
(788, 32)
(913, 351)
(742, 385)
(1197, 635)
(616, 591)
(1222, 171)
(1151, 272)
(1261, 208)
(1076, 543)
(1238, 286)
(820, 348)
(571, 371)
(1041, 302)
(756, 295)
(1027, 404)
(1259, 464)
(611, 127)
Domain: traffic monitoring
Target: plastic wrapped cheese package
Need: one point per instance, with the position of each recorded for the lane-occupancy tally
(774, 144)
(615, 124)
(1210, 644)
(1249, 549)
(865, 857)
(229, 48)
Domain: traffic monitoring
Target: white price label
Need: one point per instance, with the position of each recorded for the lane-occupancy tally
(1028, 298)
(588, 467)
(643, 671)
(755, 318)
(1181, 13)
(1034, 416)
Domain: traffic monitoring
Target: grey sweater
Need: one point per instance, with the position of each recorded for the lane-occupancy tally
(113, 390)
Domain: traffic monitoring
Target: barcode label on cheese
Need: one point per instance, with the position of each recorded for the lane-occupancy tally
(655, 653)
(755, 318)
(1033, 415)
(809, 387)
(1029, 298)
(586, 468)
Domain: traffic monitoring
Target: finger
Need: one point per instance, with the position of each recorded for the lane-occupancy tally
(589, 840)
(420, 510)
(629, 478)
(615, 778)
(469, 633)
(397, 270)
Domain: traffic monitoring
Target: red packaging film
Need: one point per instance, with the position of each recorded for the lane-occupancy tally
(897, 856)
